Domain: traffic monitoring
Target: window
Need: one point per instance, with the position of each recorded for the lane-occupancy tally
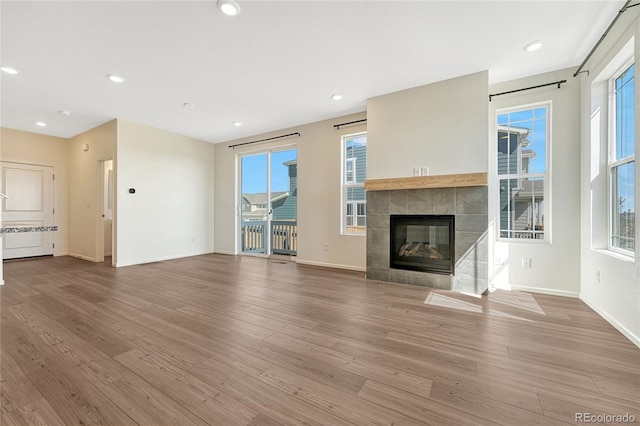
(621, 163)
(523, 146)
(354, 172)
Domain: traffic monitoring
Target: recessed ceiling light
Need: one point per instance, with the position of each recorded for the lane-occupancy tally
(65, 112)
(533, 46)
(188, 105)
(229, 7)
(115, 78)
(237, 123)
(9, 70)
(40, 124)
(336, 96)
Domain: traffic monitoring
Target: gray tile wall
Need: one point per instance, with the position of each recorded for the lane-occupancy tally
(469, 205)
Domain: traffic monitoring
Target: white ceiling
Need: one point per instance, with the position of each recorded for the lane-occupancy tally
(273, 66)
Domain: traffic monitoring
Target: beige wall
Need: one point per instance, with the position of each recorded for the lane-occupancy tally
(442, 126)
(171, 213)
(33, 148)
(617, 294)
(555, 266)
(85, 238)
(319, 170)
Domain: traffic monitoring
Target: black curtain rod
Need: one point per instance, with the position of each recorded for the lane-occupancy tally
(559, 82)
(264, 140)
(337, 126)
(620, 12)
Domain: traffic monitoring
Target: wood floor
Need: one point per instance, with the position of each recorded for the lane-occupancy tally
(226, 340)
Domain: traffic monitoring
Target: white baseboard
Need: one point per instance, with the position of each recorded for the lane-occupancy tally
(622, 329)
(79, 256)
(157, 259)
(332, 265)
(541, 290)
(230, 253)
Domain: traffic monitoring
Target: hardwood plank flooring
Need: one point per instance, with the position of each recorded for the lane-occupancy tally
(226, 340)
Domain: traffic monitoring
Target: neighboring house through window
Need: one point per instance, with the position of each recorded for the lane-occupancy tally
(354, 172)
(523, 147)
(621, 162)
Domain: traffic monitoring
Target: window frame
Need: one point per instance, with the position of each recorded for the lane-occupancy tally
(613, 163)
(546, 176)
(347, 184)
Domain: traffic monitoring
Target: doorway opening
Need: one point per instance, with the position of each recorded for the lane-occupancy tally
(104, 249)
(268, 203)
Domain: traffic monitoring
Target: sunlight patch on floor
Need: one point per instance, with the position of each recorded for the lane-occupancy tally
(516, 299)
(435, 299)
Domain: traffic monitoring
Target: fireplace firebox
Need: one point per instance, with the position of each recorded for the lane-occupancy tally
(423, 243)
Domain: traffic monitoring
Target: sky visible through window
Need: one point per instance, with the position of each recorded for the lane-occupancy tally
(357, 141)
(623, 164)
(625, 140)
(535, 121)
(254, 172)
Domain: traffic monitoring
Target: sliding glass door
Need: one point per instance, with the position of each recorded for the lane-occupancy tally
(268, 202)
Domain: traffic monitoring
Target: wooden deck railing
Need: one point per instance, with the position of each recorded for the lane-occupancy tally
(528, 234)
(283, 236)
(253, 236)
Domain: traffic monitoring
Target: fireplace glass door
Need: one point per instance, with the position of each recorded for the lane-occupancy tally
(423, 243)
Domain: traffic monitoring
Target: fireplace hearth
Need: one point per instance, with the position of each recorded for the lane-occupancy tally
(422, 243)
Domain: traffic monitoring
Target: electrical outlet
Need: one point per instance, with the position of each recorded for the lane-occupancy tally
(326, 246)
(416, 171)
(526, 262)
(424, 171)
(598, 277)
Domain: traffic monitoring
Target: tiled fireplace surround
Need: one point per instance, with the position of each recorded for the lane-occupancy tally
(468, 204)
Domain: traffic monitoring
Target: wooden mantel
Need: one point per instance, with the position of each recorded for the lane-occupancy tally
(422, 182)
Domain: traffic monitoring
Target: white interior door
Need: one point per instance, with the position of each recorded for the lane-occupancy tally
(29, 189)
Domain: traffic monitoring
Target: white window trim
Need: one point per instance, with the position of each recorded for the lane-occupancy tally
(351, 161)
(344, 185)
(547, 176)
(611, 154)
